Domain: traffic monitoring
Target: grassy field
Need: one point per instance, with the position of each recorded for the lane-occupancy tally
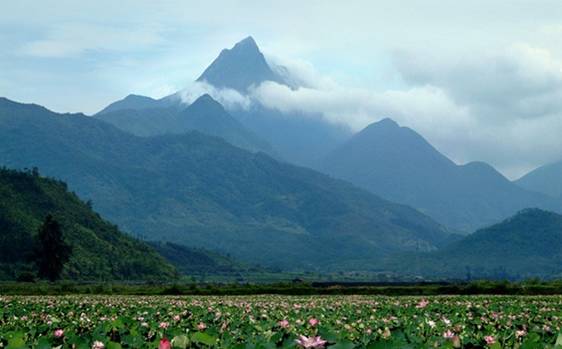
(274, 321)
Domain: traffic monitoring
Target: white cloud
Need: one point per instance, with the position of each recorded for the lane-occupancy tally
(503, 108)
(73, 39)
(229, 98)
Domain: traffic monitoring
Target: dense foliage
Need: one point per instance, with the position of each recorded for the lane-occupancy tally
(99, 249)
(196, 261)
(51, 252)
(200, 191)
(334, 322)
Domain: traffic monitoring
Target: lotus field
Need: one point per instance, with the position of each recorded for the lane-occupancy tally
(332, 322)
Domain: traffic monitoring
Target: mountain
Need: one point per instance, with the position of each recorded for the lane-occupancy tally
(99, 250)
(526, 245)
(133, 102)
(205, 115)
(400, 165)
(193, 261)
(239, 68)
(300, 138)
(546, 179)
(200, 191)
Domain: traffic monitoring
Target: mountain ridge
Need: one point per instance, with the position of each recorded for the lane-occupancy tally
(202, 192)
(528, 244)
(99, 249)
(400, 165)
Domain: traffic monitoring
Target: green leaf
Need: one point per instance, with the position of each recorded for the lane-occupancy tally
(16, 340)
(43, 343)
(203, 338)
(180, 342)
(113, 345)
(343, 345)
(559, 339)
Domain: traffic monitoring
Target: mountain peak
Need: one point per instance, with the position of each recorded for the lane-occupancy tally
(246, 43)
(239, 68)
(386, 122)
(207, 104)
(132, 101)
(205, 99)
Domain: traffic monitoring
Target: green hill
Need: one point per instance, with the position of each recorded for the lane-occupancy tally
(99, 250)
(191, 261)
(528, 244)
(199, 191)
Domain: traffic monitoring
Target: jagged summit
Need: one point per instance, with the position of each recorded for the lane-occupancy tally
(247, 43)
(239, 68)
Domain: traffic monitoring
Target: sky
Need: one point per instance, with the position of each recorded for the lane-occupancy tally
(481, 80)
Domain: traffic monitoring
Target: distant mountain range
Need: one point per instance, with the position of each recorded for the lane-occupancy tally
(199, 175)
(528, 244)
(200, 191)
(204, 115)
(391, 161)
(400, 165)
(546, 179)
(99, 250)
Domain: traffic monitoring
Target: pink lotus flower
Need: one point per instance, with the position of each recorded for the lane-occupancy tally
(520, 333)
(310, 342)
(177, 318)
(490, 340)
(59, 333)
(164, 325)
(283, 323)
(448, 334)
(98, 345)
(422, 304)
(201, 326)
(313, 322)
(165, 344)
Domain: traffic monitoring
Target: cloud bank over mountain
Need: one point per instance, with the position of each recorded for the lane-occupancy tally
(481, 80)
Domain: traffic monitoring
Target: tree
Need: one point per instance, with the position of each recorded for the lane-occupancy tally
(51, 251)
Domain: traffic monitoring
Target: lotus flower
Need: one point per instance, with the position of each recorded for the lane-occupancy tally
(490, 340)
(313, 322)
(283, 323)
(98, 345)
(310, 342)
(59, 333)
(422, 304)
(165, 344)
(201, 326)
(448, 334)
